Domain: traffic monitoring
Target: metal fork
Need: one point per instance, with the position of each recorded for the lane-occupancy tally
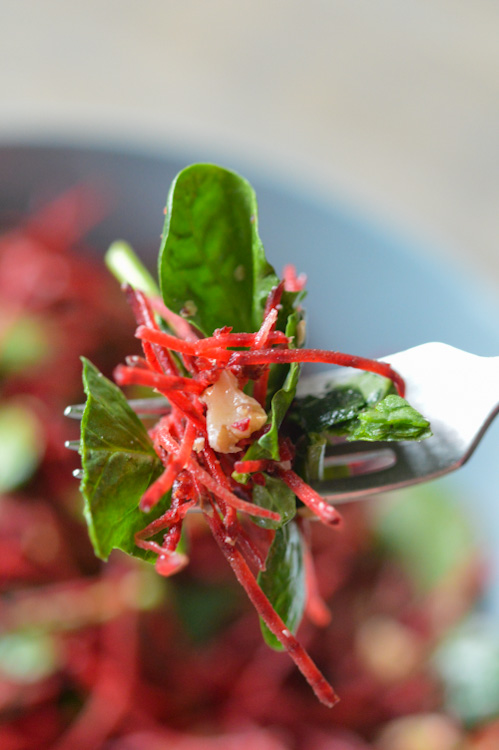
(456, 391)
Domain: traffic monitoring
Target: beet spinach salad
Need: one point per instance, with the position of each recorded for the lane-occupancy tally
(223, 342)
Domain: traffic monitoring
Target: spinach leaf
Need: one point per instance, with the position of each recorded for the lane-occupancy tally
(280, 404)
(281, 401)
(283, 580)
(274, 495)
(364, 408)
(321, 413)
(118, 462)
(279, 372)
(341, 404)
(392, 419)
(373, 387)
(212, 266)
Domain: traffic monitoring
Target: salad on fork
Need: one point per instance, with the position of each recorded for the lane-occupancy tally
(223, 342)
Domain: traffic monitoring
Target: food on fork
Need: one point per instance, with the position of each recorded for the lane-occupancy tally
(223, 342)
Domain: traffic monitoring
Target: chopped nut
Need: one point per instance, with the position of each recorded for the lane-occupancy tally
(231, 414)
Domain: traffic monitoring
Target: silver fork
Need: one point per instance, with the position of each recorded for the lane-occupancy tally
(456, 391)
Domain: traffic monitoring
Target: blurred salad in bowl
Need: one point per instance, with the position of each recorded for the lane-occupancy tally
(111, 655)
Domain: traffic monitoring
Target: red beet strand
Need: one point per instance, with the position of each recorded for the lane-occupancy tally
(286, 356)
(275, 624)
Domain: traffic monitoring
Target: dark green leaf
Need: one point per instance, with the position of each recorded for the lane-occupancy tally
(119, 463)
(321, 413)
(290, 314)
(281, 401)
(392, 419)
(283, 380)
(364, 408)
(274, 495)
(341, 404)
(283, 581)
(212, 266)
(279, 372)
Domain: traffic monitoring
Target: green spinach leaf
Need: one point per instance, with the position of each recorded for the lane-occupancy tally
(281, 401)
(373, 387)
(118, 462)
(341, 404)
(204, 608)
(364, 408)
(279, 372)
(283, 581)
(212, 266)
(320, 413)
(274, 495)
(392, 419)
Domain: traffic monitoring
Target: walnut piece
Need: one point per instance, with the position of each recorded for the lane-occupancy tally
(230, 414)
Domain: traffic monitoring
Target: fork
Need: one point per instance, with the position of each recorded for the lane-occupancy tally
(457, 392)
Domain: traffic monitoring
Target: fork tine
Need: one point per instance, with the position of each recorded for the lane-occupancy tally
(143, 407)
(415, 462)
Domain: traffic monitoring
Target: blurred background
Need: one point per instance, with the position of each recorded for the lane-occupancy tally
(394, 105)
(377, 119)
